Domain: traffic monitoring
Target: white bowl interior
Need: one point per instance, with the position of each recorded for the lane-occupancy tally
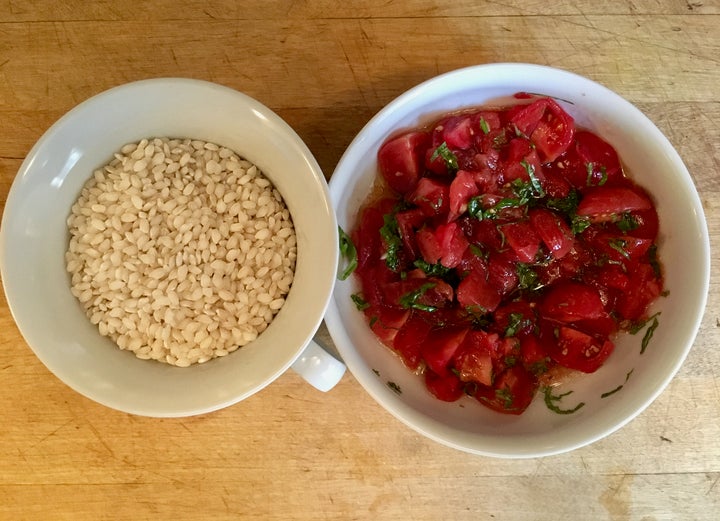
(34, 239)
(683, 250)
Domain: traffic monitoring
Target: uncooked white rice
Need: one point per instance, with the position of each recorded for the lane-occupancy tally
(180, 251)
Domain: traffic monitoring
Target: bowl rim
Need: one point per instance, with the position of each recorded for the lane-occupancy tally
(355, 362)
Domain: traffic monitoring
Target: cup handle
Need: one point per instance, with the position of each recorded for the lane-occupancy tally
(318, 367)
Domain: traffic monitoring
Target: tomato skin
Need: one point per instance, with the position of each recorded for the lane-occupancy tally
(475, 293)
(400, 160)
(440, 347)
(522, 239)
(447, 388)
(445, 244)
(553, 231)
(577, 350)
(462, 188)
(431, 196)
(606, 202)
(569, 301)
(409, 339)
(512, 391)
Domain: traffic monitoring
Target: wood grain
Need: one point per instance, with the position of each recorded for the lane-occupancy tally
(291, 452)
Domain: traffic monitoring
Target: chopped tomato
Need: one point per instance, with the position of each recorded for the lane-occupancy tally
(553, 231)
(522, 239)
(512, 244)
(408, 340)
(512, 392)
(401, 158)
(476, 294)
(431, 196)
(570, 301)
(577, 350)
(440, 347)
(608, 202)
(447, 388)
(445, 244)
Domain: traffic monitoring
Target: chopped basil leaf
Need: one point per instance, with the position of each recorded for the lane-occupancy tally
(360, 302)
(391, 235)
(619, 245)
(528, 278)
(484, 126)
(373, 321)
(506, 396)
(444, 152)
(348, 252)
(434, 270)
(516, 321)
(627, 222)
(636, 327)
(653, 260)
(395, 387)
(566, 205)
(551, 402)
(648, 334)
(610, 393)
(500, 140)
(410, 300)
(537, 190)
(590, 167)
(579, 224)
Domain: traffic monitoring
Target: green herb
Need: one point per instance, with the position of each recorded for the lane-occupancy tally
(610, 393)
(446, 154)
(360, 302)
(506, 396)
(476, 210)
(636, 327)
(410, 300)
(551, 402)
(648, 334)
(566, 205)
(528, 278)
(391, 235)
(518, 132)
(627, 222)
(539, 367)
(537, 190)
(478, 251)
(377, 373)
(373, 321)
(591, 174)
(348, 252)
(433, 270)
(516, 321)
(500, 140)
(579, 224)
(653, 260)
(395, 387)
(619, 245)
(510, 361)
(484, 126)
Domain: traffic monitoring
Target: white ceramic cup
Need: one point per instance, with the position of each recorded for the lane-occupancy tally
(34, 239)
(683, 249)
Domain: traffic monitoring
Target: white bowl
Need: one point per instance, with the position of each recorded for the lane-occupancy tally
(35, 237)
(683, 250)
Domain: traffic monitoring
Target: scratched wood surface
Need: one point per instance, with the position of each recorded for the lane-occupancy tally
(291, 452)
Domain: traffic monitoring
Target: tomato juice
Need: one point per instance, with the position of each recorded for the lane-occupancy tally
(505, 246)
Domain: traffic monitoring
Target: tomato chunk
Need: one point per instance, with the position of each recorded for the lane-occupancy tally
(570, 301)
(512, 392)
(609, 201)
(400, 160)
(577, 350)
